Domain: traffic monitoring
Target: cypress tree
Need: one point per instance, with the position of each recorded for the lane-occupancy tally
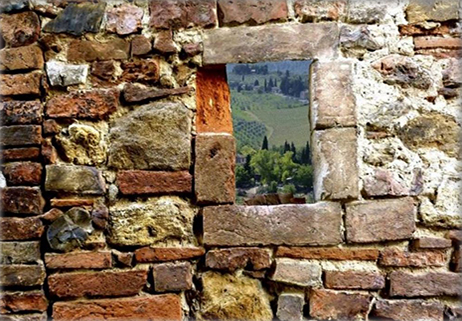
(264, 146)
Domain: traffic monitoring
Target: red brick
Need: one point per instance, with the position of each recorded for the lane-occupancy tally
(311, 11)
(437, 42)
(408, 310)
(146, 182)
(92, 50)
(431, 243)
(145, 308)
(12, 302)
(18, 135)
(418, 30)
(79, 260)
(252, 12)
(16, 229)
(238, 258)
(140, 45)
(161, 254)
(71, 202)
(400, 258)
(26, 173)
(22, 200)
(361, 280)
(327, 304)
(213, 101)
(93, 284)
(20, 29)
(15, 154)
(172, 277)
(51, 127)
(21, 112)
(48, 151)
(94, 104)
(328, 253)
(20, 84)
(21, 275)
(406, 284)
(30, 57)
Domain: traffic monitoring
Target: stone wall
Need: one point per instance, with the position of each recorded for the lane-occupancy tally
(118, 162)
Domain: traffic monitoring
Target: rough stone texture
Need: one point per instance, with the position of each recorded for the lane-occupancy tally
(232, 297)
(166, 14)
(361, 280)
(20, 84)
(158, 221)
(13, 5)
(381, 220)
(406, 284)
(137, 93)
(100, 216)
(20, 252)
(253, 258)
(140, 45)
(30, 57)
(290, 306)
(357, 41)
(94, 104)
(214, 169)
(20, 29)
(20, 135)
(161, 254)
(423, 10)
(79, 260)
(335, 164)
(16, 154)
(408, 310)
(22, 275)
(77, 19)
(155, 136)
(170, 277)
(124, 259)
(397, 257)
(145, 182)
(21, 112)
(319, 10)
(103, 283)
(25, 317)
(164, 43)
(333, 102)
(213, 101)
(297, 272)
(62, 74)
(48, 151)
(360, 11)
(89, 50)
(141, 70)
(124, 19)
(261, 43)
(22, 200)
(153, 307)
(74, 179)
(310, 224)
(251, 12)
(331, 253)
(327, 304)
(12, 302)
(18, 229)
(23, 173)
(431, 243)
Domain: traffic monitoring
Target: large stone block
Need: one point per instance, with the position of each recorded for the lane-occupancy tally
(405, 284)
(155, 136)
(335, 164)
(92, 50)
(19, 252)
(310, 224)
(20, 29)
(160, 221)
(380, 220)
(270, 43)
(74, 179)
(251, 11)
(408, 310)
(434, 10)
(214, 168)
(297, 272)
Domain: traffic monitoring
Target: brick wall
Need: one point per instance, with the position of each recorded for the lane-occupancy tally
(117, 176)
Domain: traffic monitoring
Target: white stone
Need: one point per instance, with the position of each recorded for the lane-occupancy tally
(63, 74)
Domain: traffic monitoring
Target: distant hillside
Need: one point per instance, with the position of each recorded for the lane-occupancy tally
(294, 66)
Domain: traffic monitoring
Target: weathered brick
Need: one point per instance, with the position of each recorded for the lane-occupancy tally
(74, 179)
(408, 310)
(15, 154)
(330, 253)
(425, 284)
(381, 220)
(21, 275)
(23, 173)
(21, 112)
(192, 49)
(431, 42)
(20, 252)
(25, 317)
(361, 280)
(20, 29)
(153, 307)
(164, 43)
(166, 14)
(320, 10)
(238, 258)
(161, 254)
(251, 12)
(297, 272)
(51, 127)
(146, 71)
(12, 302)
(214, 168)
(431, 243)
(124, 259)
(146, 182)
(333, 99)
(424, 10)
(397, 257)
(335, 167)
(89, 50)
(48, 151)
(138, 93)
(124, 19)
(18, 229)
(140, 45)
(95, 104)
(30, 57)
(18, 135)
(420, 30)
(455, 236)
(79, 260)
(290, 306)
(22, 200)
(313, 224)
(20, 84)
(328, 304)
(213, 101)
(92, 284)
(172, 277)
(51, 215)
(254, 44)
